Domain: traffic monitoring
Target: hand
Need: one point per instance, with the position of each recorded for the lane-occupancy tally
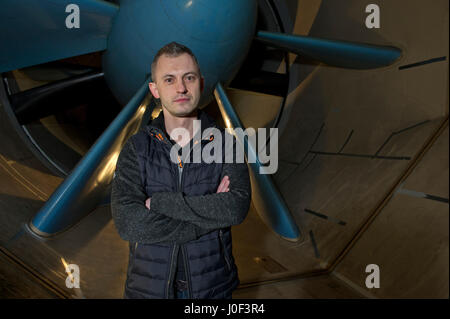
(224, 185)
(147, 202)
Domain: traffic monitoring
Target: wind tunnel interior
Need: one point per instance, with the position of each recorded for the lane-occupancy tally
(362, 167)
(62, 107)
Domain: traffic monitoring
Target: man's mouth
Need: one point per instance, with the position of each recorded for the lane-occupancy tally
(183, 99)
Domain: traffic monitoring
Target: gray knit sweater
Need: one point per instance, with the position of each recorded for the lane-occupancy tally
(174, 217)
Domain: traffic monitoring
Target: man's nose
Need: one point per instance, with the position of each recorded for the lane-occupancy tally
(181, 87)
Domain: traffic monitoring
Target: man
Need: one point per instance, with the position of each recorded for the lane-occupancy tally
(177, 216)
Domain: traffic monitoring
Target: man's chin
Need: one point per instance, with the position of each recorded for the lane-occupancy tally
(190, 114)
(185, 113)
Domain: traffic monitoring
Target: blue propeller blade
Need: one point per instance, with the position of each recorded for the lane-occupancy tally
(90, 180)
(266, 197)
(35, 32)
(337, 53)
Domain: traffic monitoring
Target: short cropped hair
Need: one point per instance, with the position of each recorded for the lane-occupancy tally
(172, 49)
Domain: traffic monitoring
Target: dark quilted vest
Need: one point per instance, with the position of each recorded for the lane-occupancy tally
(208, 261)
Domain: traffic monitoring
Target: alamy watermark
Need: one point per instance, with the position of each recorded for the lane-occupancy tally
(73, 276)
(73, 19)
(373, 280)
(231, 150)
(373, 19)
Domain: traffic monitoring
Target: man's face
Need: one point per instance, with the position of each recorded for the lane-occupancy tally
(177, 83)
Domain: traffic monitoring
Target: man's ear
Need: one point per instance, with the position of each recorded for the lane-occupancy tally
(153, 89)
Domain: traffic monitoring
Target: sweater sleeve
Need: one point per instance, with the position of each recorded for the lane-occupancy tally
(134, 222)
(212, 211)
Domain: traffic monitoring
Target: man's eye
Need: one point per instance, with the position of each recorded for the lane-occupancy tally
(168, 80)
(190, 78)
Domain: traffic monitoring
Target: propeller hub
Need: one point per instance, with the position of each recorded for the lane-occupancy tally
(219, 33)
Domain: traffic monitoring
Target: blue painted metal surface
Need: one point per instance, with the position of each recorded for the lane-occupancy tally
(89, 181)
(35, 32)
(219, 32)
(337, 53)
(266, 197)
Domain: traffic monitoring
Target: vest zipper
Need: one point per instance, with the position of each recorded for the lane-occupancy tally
(170, 270)
(186, 271)
(181, 180)
(180, 168)
(183, 249)
(180, 174)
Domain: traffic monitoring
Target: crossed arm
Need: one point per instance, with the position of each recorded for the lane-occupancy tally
(174, 217)
(222, 188)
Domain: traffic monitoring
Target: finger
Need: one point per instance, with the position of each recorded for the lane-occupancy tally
(147, 202)
(222, 184)
(226, 183)
(220, 188)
